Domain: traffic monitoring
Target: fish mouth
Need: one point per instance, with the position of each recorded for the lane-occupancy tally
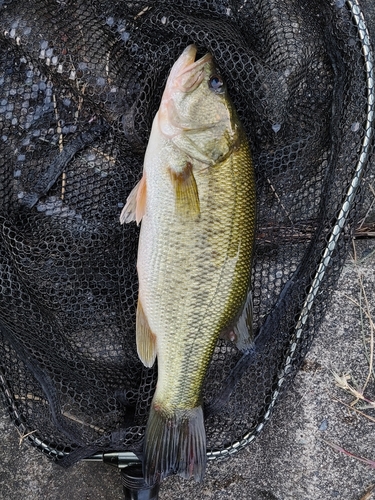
(187, 73)
(185, 76)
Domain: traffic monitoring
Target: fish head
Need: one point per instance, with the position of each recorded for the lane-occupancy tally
(196, 111)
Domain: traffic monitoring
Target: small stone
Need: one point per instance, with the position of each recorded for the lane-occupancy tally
(324, 425)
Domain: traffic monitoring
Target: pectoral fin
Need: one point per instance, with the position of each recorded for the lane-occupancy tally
(146, 340)
(135, 205)
(186, 191)
(242, 331)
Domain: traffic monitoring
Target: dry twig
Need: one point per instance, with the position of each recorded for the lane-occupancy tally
(368, 493)
(23, 436)
(354, 409)
(338, 448)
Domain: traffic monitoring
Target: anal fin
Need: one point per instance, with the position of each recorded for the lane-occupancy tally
(146, 340)
(186, 191)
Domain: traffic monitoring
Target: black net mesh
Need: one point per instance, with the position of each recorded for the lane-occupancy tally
(80, 84)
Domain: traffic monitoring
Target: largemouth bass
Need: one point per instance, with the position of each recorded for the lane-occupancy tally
(196, 200)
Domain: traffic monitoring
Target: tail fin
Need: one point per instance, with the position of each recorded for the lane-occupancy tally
(175, 443)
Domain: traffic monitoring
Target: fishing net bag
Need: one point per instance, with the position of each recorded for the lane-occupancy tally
(80, 82)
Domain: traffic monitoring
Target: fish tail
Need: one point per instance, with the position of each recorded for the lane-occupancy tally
(175, 443)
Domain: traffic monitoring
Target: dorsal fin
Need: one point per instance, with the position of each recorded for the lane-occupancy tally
(242, 331)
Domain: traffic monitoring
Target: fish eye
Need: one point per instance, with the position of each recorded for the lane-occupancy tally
(216, 84)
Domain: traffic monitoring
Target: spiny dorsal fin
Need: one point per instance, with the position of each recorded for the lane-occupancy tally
(186, 191)
(146, 340)
(135, 205)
